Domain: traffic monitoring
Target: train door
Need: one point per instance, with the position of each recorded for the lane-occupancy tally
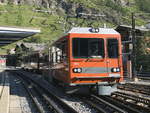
(113, 57)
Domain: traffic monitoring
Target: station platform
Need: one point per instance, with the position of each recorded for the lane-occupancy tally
(13, 96)
(4, 93)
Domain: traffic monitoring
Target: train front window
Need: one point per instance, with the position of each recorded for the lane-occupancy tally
(112, 48)
(88, 48)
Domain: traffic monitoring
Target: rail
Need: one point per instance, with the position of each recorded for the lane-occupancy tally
(135, 100)
(102, 105)
(107, 104)
(31, 92)
(122, 104)
(48, 94)
(134, 87)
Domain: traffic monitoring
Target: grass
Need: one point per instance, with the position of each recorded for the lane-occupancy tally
(52, 26)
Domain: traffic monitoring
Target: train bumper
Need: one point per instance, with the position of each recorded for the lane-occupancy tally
(106, 89)
(83, 90)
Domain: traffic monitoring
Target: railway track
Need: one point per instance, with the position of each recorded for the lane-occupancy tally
(53, 102)
(102, 105)
(144, 76)
(108, 104)
(139, 88)
(117, 103)
(141, 104)
(36, 98)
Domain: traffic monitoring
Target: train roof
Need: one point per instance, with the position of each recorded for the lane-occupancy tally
(89, 30)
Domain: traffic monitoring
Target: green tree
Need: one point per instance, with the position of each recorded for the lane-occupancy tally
(144, 5)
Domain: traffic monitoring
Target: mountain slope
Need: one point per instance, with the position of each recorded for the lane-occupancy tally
(110, 8)
(55, 17)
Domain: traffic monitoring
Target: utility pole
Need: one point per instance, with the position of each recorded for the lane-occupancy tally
(49, 56)
(133, 57)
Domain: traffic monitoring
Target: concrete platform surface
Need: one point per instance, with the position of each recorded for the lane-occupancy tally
(14, 97)
(20, 101)
(4, 100)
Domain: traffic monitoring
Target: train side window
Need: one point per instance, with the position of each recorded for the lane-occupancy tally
(65, 50)
(53, 55)
(64, 55)
(59, 52)
(112, 48)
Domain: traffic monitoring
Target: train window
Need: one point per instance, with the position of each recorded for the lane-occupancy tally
(59, 53)
(112, 48)
(88, 48)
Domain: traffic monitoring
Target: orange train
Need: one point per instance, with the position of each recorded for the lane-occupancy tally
(86, 59)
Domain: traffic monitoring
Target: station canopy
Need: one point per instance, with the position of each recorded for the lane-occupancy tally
(9, 35)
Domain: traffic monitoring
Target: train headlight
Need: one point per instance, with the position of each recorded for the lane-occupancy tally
(94, 30)
(118, 69)
(77, 70)
(115, 70)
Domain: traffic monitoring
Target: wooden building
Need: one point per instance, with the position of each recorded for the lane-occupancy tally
(127, 45)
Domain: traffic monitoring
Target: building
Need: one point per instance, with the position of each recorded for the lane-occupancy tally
(127, 45)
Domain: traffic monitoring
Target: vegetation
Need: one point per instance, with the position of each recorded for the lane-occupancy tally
(143, 53)
(143, 5)
(54, 25)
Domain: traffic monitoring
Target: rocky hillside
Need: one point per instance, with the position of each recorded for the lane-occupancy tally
(50, 3)
(110, 8)
(55, 17)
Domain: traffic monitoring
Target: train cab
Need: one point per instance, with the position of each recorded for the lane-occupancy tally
(88, 57)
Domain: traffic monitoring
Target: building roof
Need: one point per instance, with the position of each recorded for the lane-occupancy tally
(88, 30)
(34, 46)
(9, 35)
